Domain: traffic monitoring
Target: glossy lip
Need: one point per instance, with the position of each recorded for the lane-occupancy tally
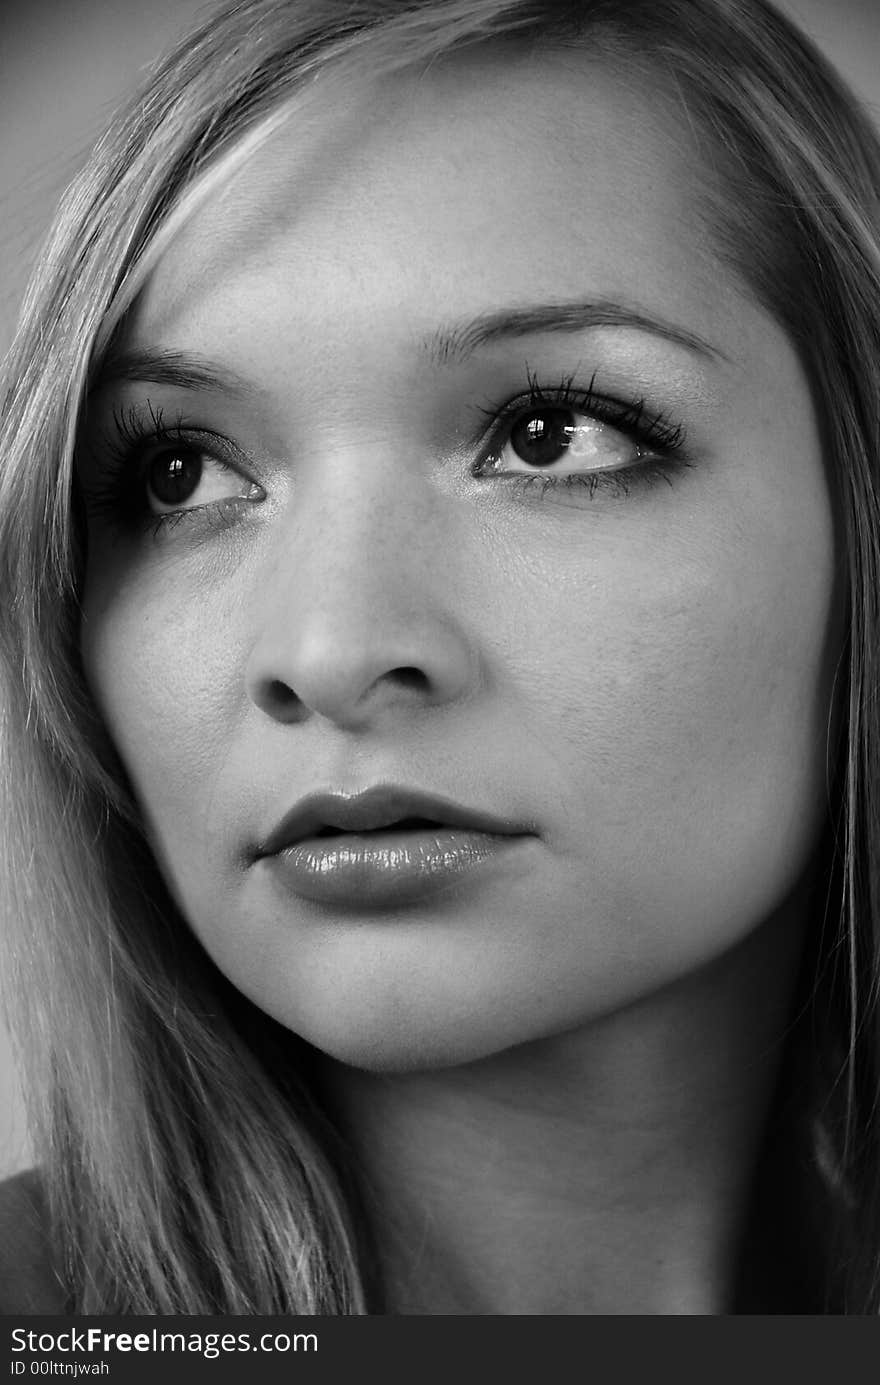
(375, 808)
(373, 862)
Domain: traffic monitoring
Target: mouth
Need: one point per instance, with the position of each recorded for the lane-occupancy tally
(385, 847)
(381, 809)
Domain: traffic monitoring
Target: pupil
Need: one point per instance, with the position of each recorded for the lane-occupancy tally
(173, 476)
(542, 438)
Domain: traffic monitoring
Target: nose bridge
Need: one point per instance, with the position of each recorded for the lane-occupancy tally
(353, 607)
(359, 529)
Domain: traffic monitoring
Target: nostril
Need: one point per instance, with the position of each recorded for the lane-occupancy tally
(275, 697)
(410, 677)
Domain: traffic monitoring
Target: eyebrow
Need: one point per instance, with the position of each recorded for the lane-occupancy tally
(454, 344)
(448, 345)
(181, 370)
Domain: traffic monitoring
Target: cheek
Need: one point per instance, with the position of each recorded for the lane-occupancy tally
(166, 688)
(681, 695)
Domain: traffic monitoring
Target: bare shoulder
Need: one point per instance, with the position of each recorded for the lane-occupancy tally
(27, 1281)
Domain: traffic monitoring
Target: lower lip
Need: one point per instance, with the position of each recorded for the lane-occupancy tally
(384, 868)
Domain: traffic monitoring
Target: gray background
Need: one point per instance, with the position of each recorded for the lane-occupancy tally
(63, 67)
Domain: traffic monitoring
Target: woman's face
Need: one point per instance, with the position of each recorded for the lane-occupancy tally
(330, 569)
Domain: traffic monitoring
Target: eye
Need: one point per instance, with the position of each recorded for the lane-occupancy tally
(186, 477)
(543, 437)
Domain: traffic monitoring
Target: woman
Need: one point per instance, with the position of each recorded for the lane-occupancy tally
(439, 503)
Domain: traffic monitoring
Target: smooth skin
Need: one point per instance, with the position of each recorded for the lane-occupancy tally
(556, 1072)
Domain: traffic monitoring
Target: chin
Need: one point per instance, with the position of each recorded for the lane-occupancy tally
(396, 1048)
(395, 1039)
(390, 1039)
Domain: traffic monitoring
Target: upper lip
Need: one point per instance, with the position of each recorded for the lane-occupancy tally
(377, 807)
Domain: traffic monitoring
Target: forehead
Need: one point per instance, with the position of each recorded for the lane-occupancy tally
(490, 178)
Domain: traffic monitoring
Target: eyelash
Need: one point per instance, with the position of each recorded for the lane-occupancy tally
(120, 494)
(664, 439)
(124, 453)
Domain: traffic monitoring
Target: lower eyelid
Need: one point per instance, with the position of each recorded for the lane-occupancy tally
(213, 514)
(620, 482)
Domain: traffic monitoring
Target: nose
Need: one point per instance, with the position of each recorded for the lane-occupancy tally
(355, 614)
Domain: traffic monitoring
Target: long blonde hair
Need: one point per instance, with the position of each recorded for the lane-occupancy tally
(188, 1163)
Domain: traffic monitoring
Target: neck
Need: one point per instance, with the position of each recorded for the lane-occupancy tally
(606, 1170)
